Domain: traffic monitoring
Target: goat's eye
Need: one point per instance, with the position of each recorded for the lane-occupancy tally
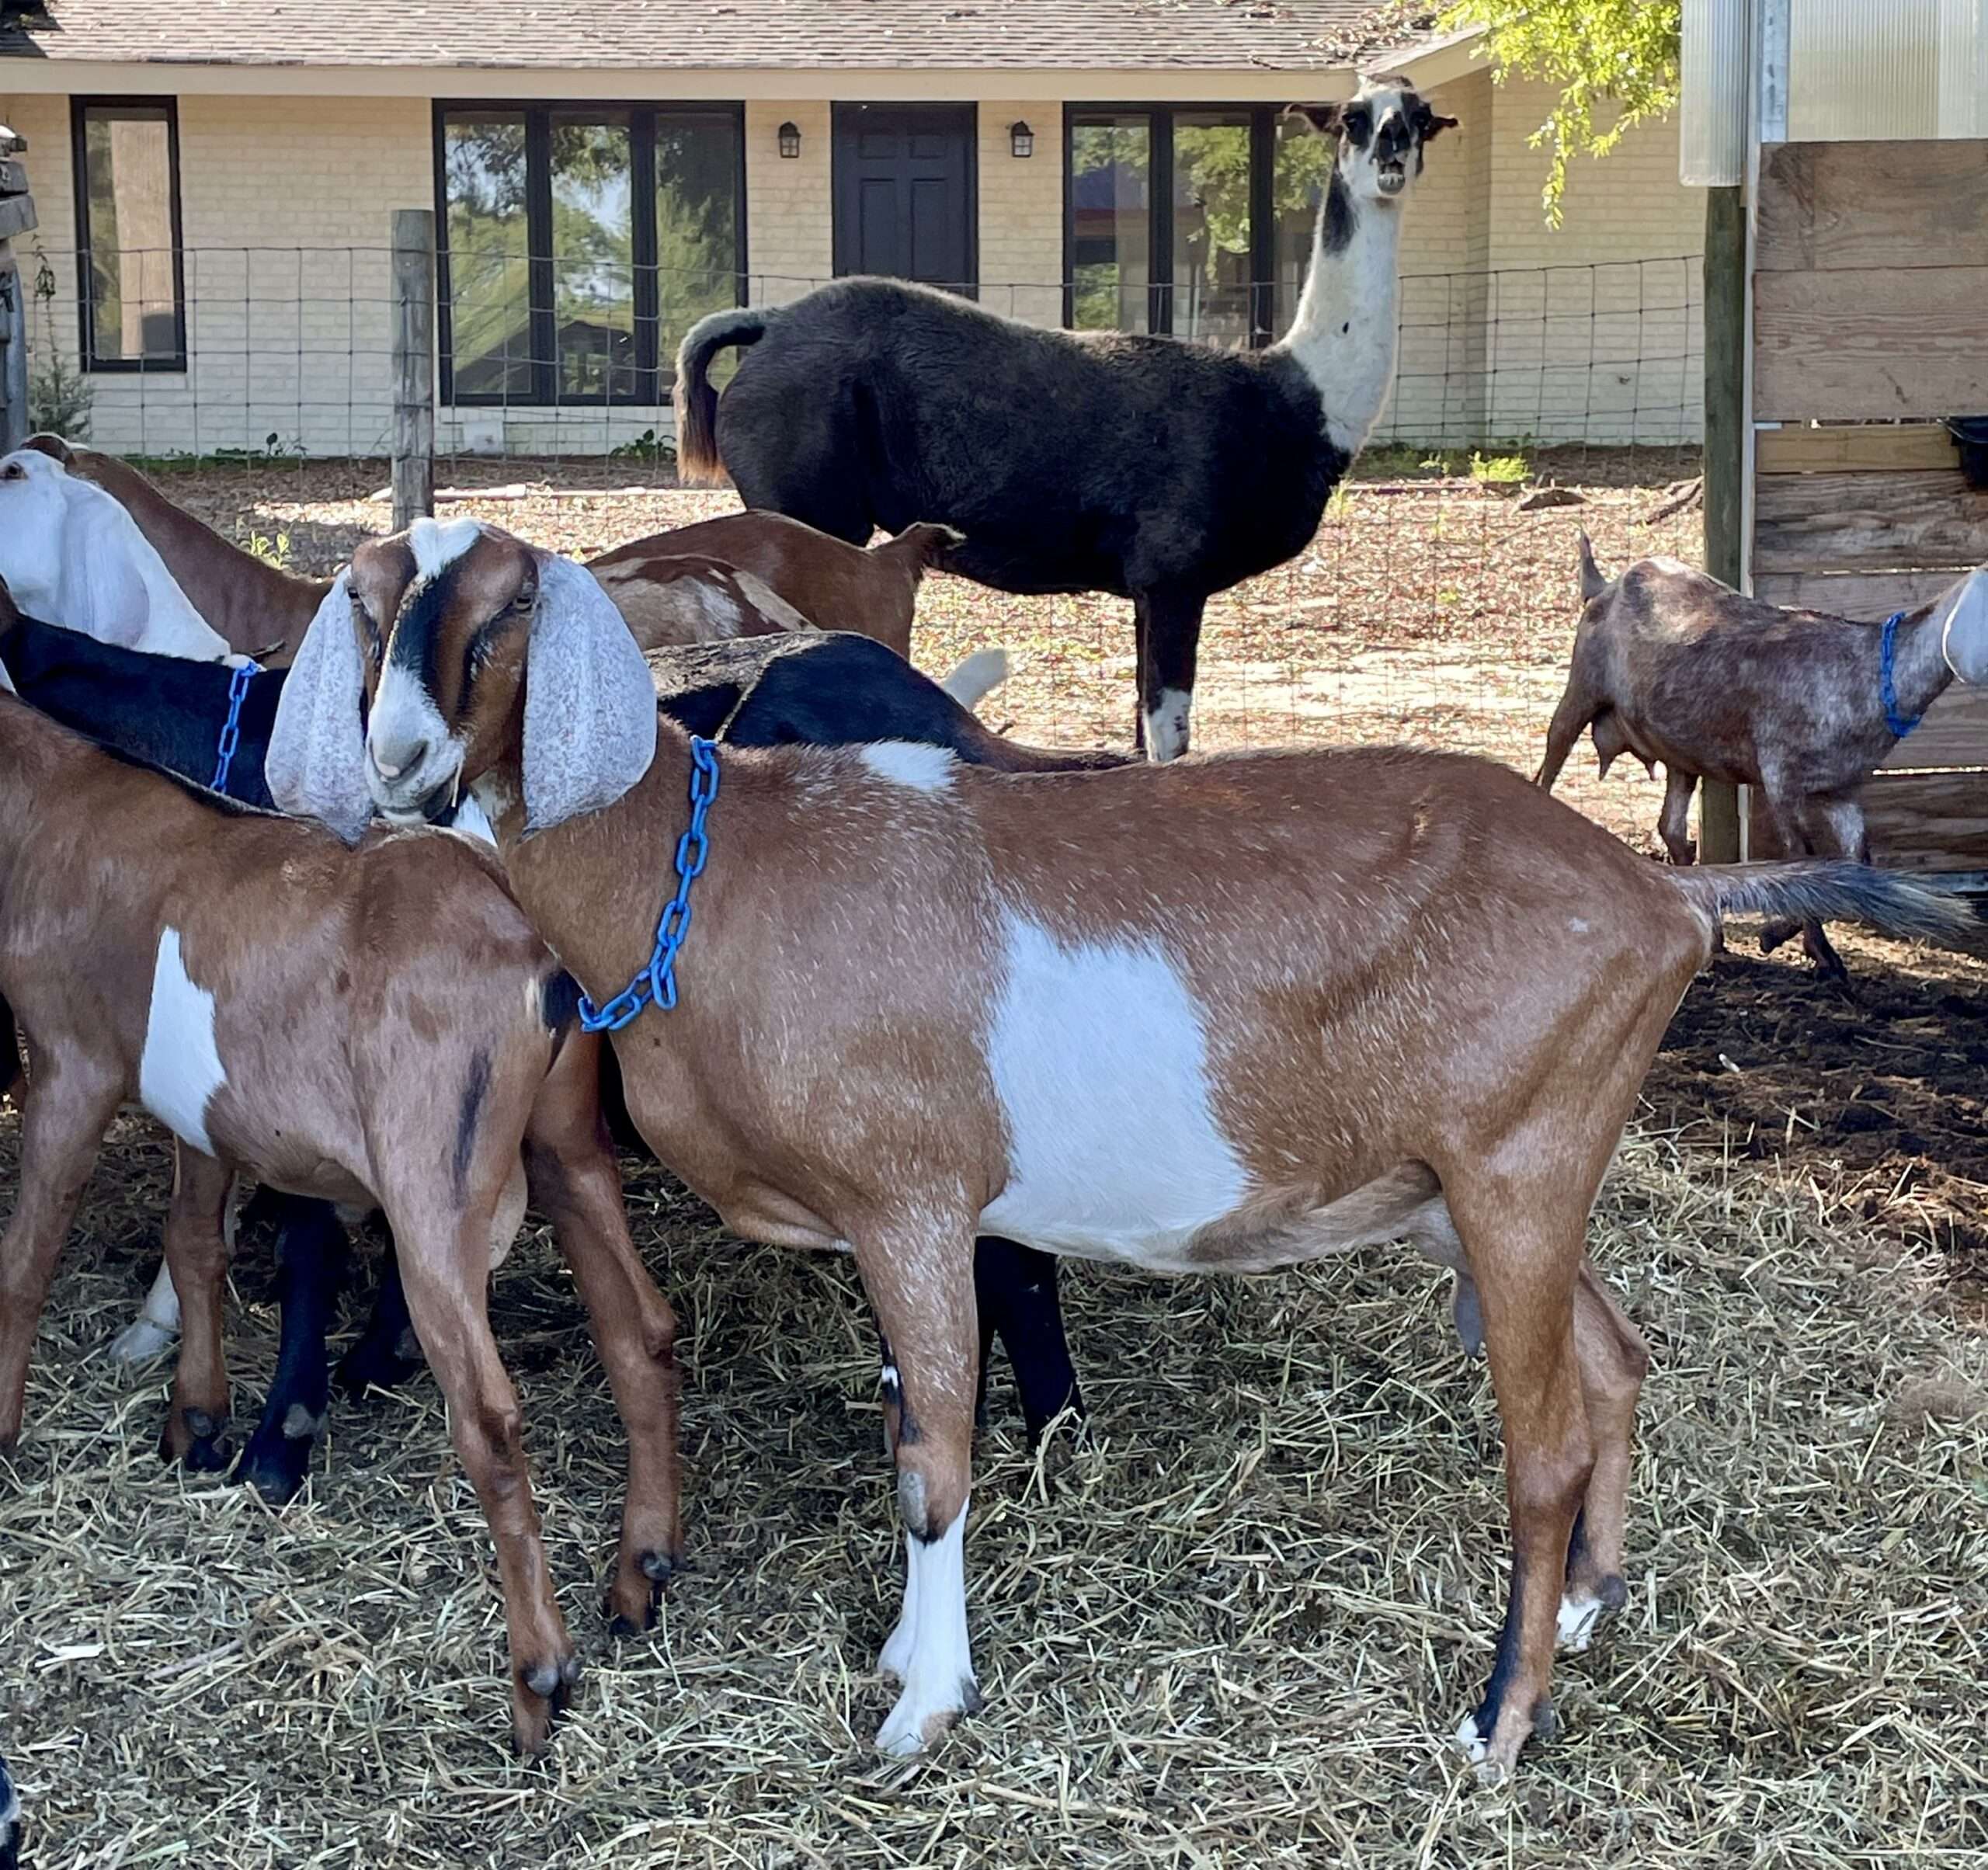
(523, 602)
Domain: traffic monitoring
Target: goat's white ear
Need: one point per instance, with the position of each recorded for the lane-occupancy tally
(589, 704)
(1964, 636)
(316, 766)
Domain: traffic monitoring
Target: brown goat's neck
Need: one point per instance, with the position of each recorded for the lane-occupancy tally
(1919, 674)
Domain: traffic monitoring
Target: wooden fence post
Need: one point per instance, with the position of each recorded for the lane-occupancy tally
(413, 366)
(1725, 415)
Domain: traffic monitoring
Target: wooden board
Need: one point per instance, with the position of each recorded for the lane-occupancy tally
(1867, 522)
(1870, 594)
(1917, 821)
(1881, 447)
(1867, 344)
(1955, 733)
(1827, 206)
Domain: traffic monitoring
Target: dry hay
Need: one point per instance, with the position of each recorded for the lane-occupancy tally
(1235, 1633)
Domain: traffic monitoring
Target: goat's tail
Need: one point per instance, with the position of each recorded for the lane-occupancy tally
(922, 544)
(697, 463)
(1827, 889)
(1592, 583)
(977, 677)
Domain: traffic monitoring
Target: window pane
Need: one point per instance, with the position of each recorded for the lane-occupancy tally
(1211, 228)
(128, 160)
(1111, 224)
(696, 224)
(593, 274)
(1303, 159)
(489, 283)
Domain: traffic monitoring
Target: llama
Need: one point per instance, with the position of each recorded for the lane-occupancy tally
(1148, 467)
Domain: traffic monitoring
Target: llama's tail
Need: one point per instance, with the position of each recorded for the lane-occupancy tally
(697, 463)
(1829, 890)
(977, 677)
(922, 544)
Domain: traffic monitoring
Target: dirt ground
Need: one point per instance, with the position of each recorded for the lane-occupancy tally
(1237, 1627)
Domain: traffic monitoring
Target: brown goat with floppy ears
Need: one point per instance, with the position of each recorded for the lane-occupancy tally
(379, 1026)
(1412, 996)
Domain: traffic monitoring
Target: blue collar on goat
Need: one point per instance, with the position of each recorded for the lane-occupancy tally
(1898, 724)
(230, 732)
(657, 982)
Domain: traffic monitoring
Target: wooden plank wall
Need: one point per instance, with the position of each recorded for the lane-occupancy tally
(1871, 313)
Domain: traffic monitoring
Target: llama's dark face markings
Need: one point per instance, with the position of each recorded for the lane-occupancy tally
(1382, 135)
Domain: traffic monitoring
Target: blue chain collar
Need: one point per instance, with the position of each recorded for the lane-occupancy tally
(231, 733)
(1887, 688)
(657, 982)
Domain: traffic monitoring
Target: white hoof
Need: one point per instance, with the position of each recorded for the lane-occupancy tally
(895, 1663)
(141, 1341)
(1578, 1620)
(923, 1713)
(1476, 1748)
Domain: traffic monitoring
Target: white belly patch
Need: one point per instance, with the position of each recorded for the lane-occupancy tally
(180, 1069)
(1100, 1063)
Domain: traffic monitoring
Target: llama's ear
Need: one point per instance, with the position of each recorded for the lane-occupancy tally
(316, 764)
(1428, 125)
(589, 704)
(1324, 118)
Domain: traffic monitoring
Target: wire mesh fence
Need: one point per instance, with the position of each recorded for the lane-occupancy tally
(1436, 602)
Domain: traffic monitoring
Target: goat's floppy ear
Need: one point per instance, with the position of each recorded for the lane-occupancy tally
(589, 704)
(316, 764)
(1324, 118)
(1964, 635)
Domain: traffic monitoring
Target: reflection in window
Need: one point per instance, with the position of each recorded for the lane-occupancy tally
(1303, 158)
(696, 223)
(489, 279)
(593, 270)
(1110, 216)
(1211, 247)
(132, 315)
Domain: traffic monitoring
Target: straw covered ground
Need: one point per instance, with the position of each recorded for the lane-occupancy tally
(1236, 1629)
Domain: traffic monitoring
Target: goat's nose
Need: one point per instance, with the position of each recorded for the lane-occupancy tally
(391, 762)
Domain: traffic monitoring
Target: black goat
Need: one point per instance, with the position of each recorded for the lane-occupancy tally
(758, 691)
(1149, 468)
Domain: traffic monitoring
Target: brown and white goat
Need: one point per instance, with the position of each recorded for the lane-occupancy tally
(1410, 996)
(1670, 664)
(835, 585)
(379, 1027)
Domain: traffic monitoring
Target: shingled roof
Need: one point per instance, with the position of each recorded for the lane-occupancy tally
(1126, 34)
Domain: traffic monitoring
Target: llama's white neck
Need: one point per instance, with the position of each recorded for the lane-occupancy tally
(1343, 335)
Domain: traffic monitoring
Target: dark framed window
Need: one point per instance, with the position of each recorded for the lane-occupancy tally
(125, 152)
(580, 242)
(1196, 222)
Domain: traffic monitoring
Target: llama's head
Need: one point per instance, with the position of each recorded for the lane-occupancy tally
(1381, 134)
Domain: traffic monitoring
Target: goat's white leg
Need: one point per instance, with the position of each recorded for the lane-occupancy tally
(929, 1651)
(156, 1327)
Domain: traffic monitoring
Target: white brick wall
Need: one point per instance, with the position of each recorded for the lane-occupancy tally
(1582, 333)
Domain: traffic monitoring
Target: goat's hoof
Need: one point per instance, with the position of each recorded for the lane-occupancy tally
(539, 1694)
(141, 1341)
(198, 1440)
(923, 1713)
(276, 1466)
(370, 1365)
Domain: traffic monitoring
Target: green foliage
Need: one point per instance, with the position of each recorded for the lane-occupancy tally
(648, 447)
(271, 551)
(1614, 62)
(1502, 470)
(59, 399)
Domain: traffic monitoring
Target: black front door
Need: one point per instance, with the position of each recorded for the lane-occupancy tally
(903, 186)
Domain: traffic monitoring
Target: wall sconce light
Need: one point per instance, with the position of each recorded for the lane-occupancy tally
(1021, 139)
(790, 139)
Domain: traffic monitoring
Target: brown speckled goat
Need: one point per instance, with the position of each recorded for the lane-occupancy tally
(1670, 664)
(1410, 996)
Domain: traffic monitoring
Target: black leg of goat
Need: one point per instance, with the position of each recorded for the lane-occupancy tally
(388, 1355)
(10, 1822)
(1015, 1287)
(312, 1263)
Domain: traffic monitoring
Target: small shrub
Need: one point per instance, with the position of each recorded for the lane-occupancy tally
(1500, 470)
(648, 447)
(59, 399)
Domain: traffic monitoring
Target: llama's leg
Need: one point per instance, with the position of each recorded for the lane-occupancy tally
(921, 1284)
(1674, 826)
(1015, 1287)
(312, 1264)
(1169, 630)
(445, 1262)
(576, 1184)
(1614, 1359)
(70, 1105)
(196, 1420)
(388, 1355)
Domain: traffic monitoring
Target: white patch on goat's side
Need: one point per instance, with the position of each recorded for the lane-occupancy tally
(1576, 925)
(905, 763)
(1099, 1060)
(1166, 724)
(438, 543)
(180, 1068)
(1576, 1623)
(935, 1661)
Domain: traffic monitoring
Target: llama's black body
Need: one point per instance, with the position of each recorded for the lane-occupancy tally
(1144, 466)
